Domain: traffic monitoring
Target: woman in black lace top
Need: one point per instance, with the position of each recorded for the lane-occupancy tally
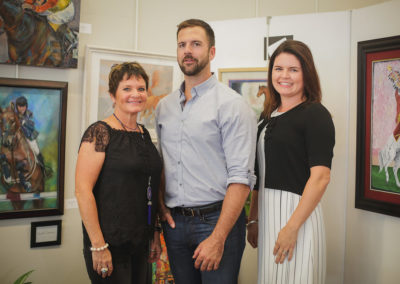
(117, 179)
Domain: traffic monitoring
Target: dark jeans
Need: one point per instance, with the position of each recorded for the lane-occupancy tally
(188, 234)
(129, 268)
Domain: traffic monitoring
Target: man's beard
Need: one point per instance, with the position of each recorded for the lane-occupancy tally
(193, 70)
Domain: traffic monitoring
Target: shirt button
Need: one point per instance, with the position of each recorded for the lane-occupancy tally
(180, 184)
(179, 162)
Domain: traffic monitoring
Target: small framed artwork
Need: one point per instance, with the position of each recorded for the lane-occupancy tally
(248, 82)
(378, 126)
(46, 233)
(164, 77)
(271, 43)
(32, 144)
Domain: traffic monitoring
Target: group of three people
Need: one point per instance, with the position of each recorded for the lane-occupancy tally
(200, 177)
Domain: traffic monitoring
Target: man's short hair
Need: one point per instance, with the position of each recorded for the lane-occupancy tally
(198, 23)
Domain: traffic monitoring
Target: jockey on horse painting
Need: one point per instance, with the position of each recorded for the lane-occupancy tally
(27, 127)
(40, 32)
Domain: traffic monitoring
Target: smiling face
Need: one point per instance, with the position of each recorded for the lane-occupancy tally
(287, 76)
(131, 95)
(193, 51)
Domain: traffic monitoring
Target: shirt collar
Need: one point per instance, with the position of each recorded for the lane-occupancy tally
(200, 89)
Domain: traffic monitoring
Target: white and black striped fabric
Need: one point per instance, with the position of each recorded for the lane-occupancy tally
(308, 265)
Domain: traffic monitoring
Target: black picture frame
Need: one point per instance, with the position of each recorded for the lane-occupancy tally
(377, 63)
(43, 195)
(45, 233)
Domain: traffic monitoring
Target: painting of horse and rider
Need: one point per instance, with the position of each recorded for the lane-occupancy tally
(32, 133)
(39, 32)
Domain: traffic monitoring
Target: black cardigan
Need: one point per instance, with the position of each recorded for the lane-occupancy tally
(295, 141)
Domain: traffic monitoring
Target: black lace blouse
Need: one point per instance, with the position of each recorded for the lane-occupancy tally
(120, 191)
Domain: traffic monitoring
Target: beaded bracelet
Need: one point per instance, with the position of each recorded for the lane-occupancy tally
(100, 248)
(252, 222)
(157, 228)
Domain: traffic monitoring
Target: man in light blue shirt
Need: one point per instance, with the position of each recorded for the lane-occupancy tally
(207, 139)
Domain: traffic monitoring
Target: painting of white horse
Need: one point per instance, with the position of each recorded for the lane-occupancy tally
(385, 156)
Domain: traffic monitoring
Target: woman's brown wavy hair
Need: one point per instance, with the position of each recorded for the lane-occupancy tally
(312, 87)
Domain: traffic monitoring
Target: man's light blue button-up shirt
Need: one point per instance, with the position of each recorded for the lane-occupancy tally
(206, 144)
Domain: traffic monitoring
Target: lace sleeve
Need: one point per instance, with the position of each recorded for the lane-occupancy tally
(99, 134)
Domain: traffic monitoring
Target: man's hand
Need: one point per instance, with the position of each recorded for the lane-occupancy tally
(208, 254)
(166, 216)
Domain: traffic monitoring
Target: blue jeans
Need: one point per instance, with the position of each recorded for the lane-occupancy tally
(188, 234)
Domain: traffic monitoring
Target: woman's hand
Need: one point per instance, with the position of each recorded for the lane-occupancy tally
(252, 226)
(285, 244)
(155, 248)
(252, 234)
(102, 260)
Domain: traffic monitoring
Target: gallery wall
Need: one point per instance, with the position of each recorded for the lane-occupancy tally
(372, 250)
(150, 26)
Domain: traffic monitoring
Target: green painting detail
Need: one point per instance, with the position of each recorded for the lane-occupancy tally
(378, 180)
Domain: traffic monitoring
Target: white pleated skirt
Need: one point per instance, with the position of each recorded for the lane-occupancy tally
(308, 265)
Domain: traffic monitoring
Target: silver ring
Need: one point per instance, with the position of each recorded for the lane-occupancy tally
(286, 252)
(104, 270)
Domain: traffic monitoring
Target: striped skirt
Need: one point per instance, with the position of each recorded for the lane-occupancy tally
(308, 265)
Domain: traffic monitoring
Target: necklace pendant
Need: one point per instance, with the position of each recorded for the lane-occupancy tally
(148, 193)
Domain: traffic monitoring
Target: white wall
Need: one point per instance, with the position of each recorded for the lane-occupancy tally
(372, 239)
(114, 25)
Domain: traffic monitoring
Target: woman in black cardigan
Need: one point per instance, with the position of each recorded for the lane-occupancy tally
(295, 144)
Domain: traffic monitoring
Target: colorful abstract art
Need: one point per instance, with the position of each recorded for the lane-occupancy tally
(39, 32)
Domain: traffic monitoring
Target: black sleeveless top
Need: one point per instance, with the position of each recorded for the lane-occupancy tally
(120, 191)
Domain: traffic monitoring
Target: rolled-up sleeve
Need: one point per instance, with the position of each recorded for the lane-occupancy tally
(239, 130)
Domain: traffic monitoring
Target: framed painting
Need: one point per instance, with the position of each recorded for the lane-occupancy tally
(32, 145)
(250, 83)
(45, 233)
(378, 126)
(39, 33)
(164, 76)
(247, 82)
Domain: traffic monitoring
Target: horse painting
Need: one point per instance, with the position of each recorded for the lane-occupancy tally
(152, 99)
(31, 39)
(390, 153)
(19, 159)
